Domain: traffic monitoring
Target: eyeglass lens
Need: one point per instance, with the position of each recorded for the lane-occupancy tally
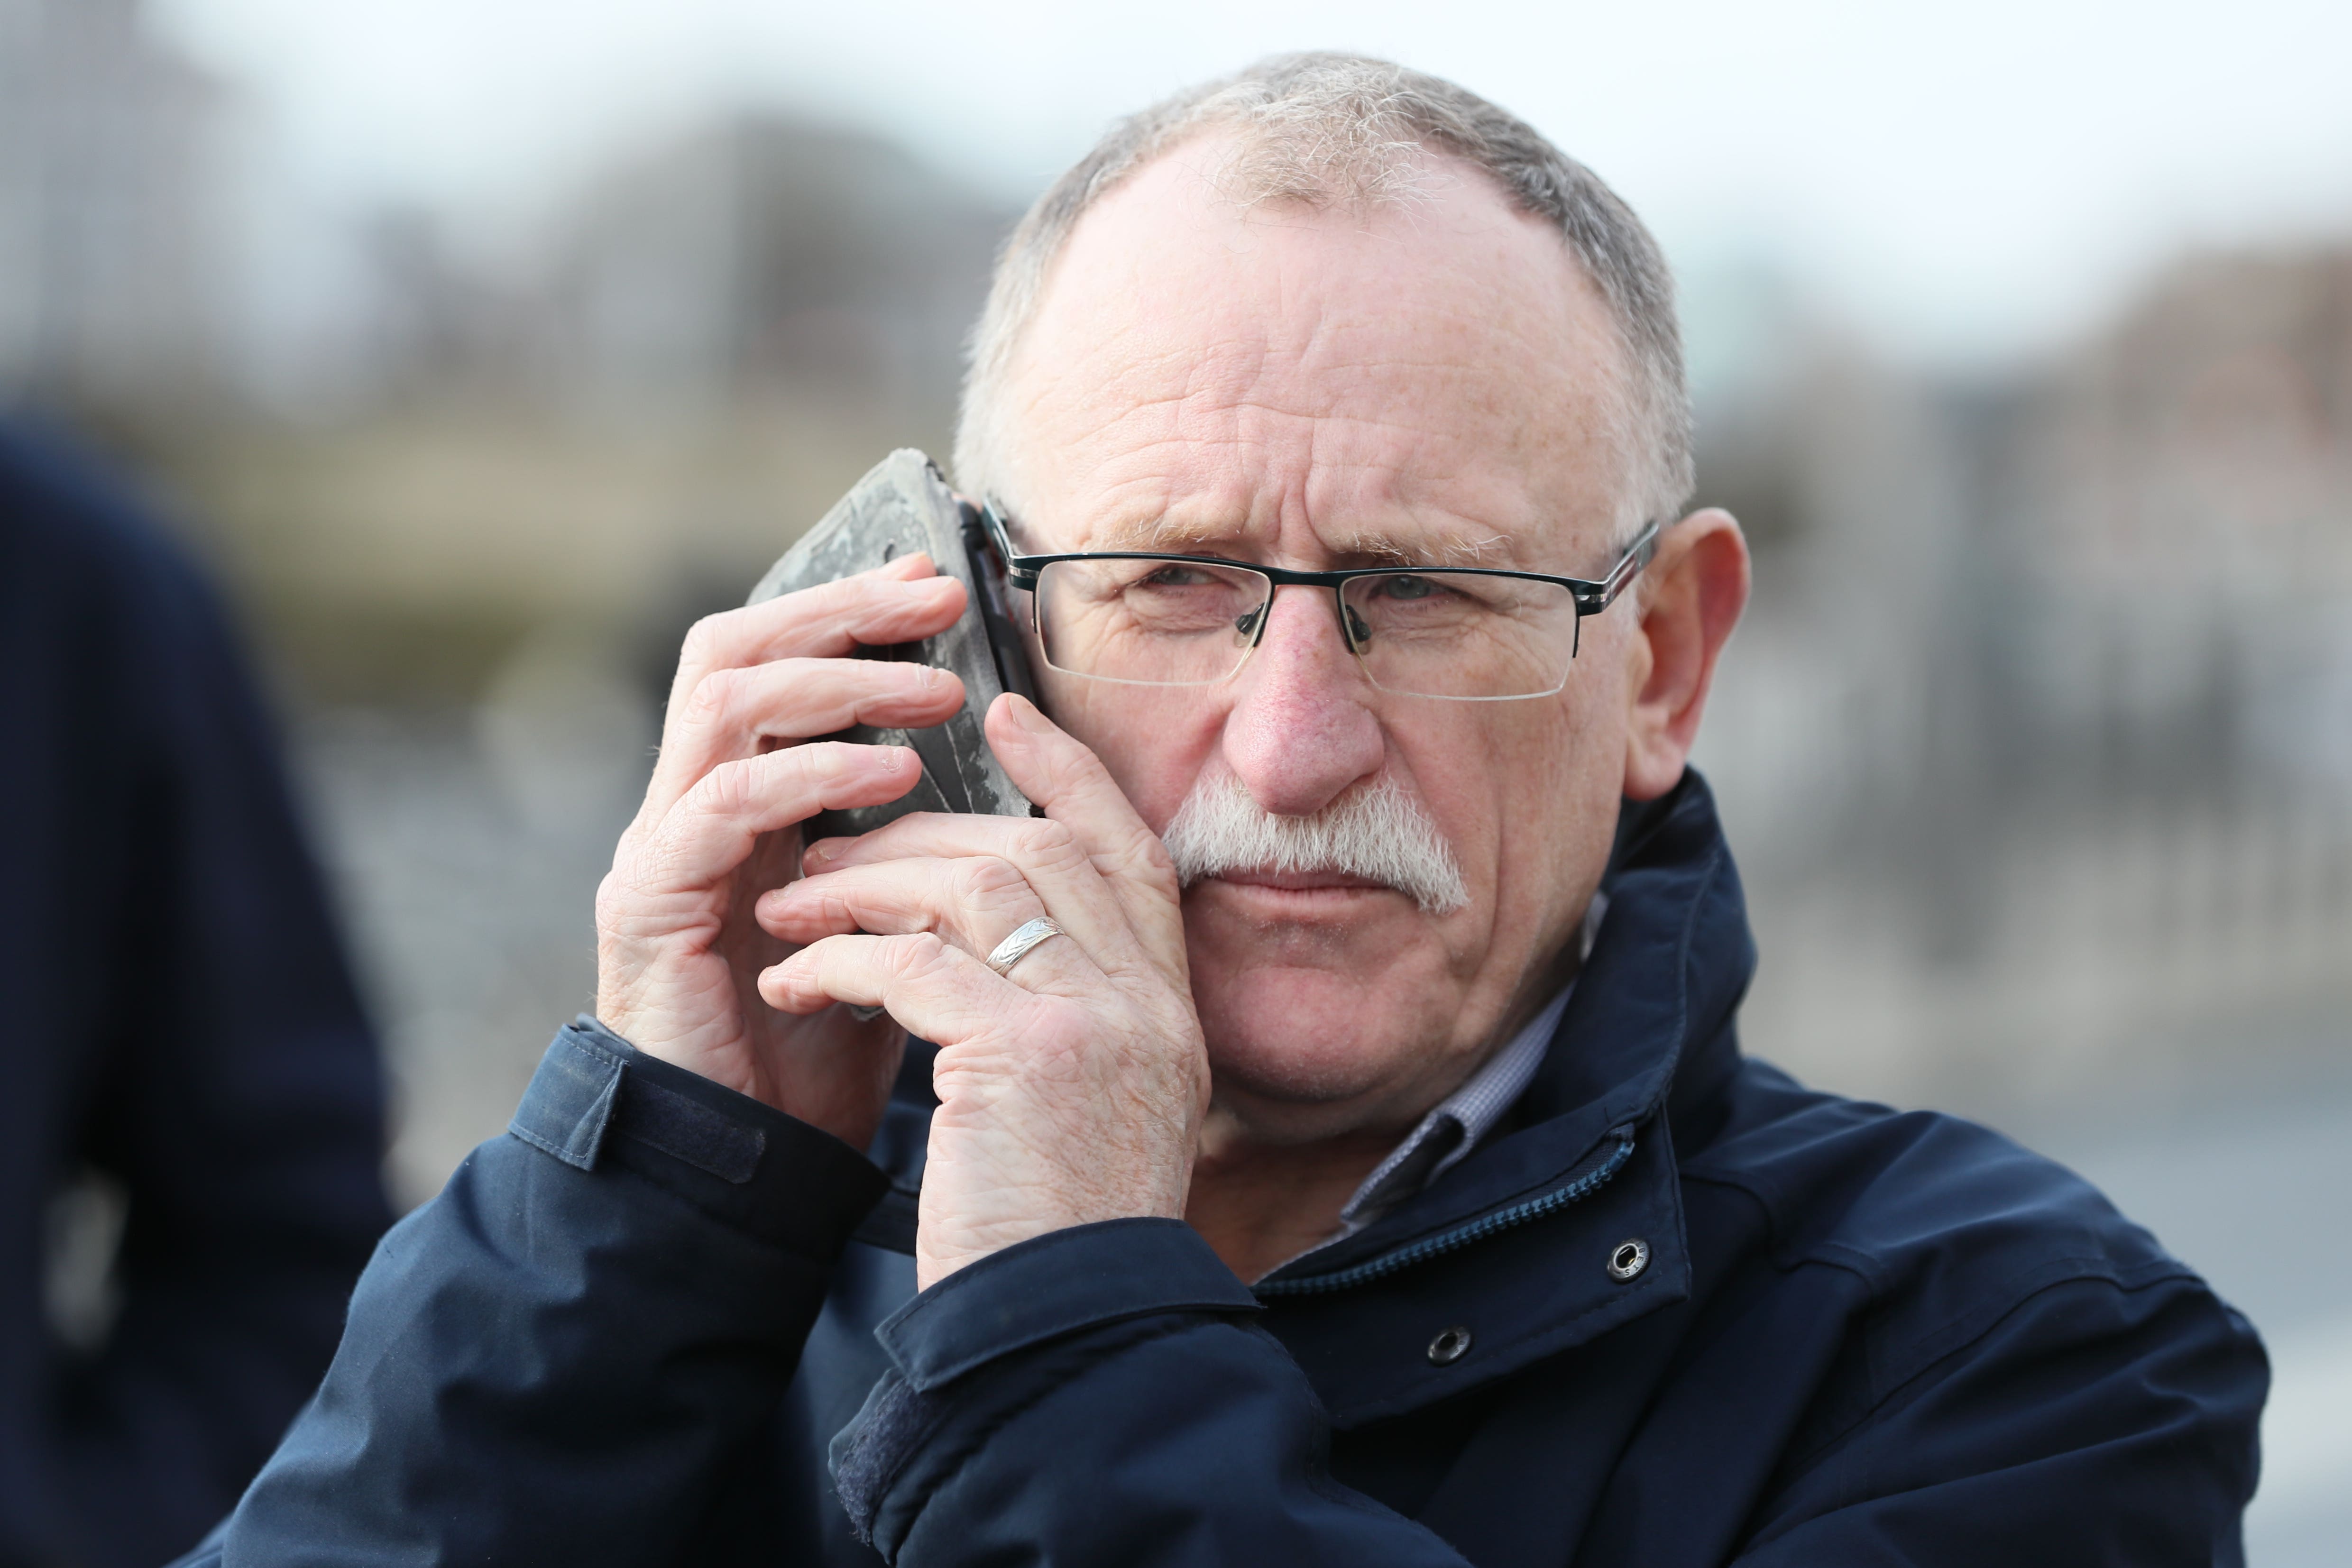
(1181, 623)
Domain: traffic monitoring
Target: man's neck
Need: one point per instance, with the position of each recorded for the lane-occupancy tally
(1260, 1204)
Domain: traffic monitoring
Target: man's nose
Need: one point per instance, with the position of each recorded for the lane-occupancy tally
(1301, 730)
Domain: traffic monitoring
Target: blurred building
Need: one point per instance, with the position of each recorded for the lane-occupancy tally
(765, 255)
(2037, 744)
(2197, 465)
(616, 424)
(109, 206)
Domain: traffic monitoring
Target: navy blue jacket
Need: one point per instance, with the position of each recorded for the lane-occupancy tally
(1678, 1311)
(176, 1013)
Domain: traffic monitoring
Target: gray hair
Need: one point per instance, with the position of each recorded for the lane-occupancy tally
(1315, 128)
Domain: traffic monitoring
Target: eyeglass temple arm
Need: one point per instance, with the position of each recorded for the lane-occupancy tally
(1016, 574)
(1597, 597)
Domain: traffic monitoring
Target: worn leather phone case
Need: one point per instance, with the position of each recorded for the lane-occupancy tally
(901, 508)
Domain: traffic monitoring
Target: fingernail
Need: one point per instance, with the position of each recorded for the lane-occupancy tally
(825, 850)
(930, 675)
(1026, 714)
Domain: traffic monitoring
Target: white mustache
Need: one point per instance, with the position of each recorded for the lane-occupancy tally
(1376, 831)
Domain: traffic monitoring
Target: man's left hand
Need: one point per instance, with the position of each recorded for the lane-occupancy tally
(1071, 1088)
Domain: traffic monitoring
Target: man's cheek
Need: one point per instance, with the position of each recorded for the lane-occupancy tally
(1152, 747)
(1516, 800)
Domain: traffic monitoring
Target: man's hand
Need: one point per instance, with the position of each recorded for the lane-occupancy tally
(677, 950)
(1071, 1089)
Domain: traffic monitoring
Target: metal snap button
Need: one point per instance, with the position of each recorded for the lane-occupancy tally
(1449, 1347)
(1629, 1259)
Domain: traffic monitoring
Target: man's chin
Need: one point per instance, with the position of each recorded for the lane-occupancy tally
(1313, 1000)
(1311, 1051)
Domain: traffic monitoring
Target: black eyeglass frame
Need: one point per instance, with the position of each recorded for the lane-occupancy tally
(1590, 596)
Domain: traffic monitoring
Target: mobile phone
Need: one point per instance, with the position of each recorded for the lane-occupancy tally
(903, 505)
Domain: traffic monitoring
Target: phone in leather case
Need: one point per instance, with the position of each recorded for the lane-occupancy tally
(901, 507)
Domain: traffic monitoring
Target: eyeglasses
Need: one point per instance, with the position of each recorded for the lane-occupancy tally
(1468, 633)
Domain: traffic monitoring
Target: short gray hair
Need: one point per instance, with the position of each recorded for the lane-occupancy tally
(1314, 128)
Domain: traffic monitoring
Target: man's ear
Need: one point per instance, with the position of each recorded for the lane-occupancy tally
(1696, 586)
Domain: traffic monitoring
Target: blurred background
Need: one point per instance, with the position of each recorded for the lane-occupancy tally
(480, 347)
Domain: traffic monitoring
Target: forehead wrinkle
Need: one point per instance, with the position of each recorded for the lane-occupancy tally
(1209, 490)
(1264, 408)
(1173, 212)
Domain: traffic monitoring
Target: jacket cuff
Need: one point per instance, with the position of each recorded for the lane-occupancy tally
(1052, 1285)
(1062, 1290)
(597, 1101)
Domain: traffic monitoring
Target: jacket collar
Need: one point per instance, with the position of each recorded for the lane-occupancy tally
(1652, 1020)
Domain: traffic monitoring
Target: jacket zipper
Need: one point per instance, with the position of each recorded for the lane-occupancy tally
(1461, 1236)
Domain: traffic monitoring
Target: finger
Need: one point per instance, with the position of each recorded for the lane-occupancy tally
(712, 828)
(931, 988)
(1045, 853)
(1069, 782)
(899, 602)
(734, 713)
(973, 901)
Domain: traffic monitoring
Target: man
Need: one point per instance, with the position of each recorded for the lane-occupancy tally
(188, 1071)
(1361, 1168)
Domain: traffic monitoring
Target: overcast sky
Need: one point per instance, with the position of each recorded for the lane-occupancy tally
(1962, 181)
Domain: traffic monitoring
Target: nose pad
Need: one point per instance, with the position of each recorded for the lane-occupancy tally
(1296, 647)
(1353, 631)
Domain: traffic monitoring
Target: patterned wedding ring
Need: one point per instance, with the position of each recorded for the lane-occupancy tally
(1015, 948)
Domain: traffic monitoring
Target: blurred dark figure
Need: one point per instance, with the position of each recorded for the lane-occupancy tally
(184, 1061)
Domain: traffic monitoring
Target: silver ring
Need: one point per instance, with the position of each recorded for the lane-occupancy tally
(1015, 948)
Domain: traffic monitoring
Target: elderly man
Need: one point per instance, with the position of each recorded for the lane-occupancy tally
(1363, 1168)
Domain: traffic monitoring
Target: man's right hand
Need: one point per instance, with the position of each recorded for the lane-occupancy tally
(679, 954)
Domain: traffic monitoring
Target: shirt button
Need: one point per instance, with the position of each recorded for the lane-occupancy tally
(1629, 1259)
(1449, 1346)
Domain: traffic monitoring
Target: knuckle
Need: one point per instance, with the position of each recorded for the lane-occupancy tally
(712, 695)
(1148, 859)
(832, 601)
(704, 638)
(664, 862)
(730, 786)
(986, 879)
(1080, 766)
(1047, 841)
(915, 952)
(827, 759)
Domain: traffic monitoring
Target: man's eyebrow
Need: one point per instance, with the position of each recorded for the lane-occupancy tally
(1170, 535)
(1442, 548)
(1163, 536)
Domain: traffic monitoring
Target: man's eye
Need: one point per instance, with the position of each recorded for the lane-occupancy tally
(1409, 588)
(1174, 575)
